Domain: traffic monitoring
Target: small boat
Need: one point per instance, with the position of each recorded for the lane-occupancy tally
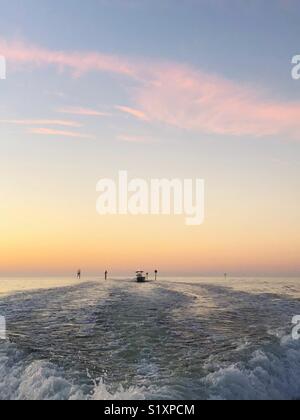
(140, 278)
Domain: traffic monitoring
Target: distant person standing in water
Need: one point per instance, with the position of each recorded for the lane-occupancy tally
(156, 272)
(79, 274)
(106, 274)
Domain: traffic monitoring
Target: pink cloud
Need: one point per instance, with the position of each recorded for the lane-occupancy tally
(195, 101)
(177, 95)
(62, 123)
(58, 133)
(140, 115)
(83, 112)
(22, 53)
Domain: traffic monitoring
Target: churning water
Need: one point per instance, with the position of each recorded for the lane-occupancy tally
(177, 338)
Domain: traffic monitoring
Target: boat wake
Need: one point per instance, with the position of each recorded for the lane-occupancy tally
(171, 340)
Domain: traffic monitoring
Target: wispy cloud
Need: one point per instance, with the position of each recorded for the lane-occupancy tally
(62, 123)
(140, 115)
(86, 112)
(177, 95)
(192, 100)
(79, 63)
(58, 133)
(128, 138)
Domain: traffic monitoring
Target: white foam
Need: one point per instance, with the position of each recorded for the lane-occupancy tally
(42, 380)
(272, 374)
(101, 393)
(38, 380)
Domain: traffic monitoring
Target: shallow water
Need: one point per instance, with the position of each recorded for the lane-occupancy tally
(183, 338)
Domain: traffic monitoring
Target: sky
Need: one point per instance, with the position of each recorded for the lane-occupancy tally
(162, 89)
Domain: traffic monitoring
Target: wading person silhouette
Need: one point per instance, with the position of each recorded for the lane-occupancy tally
(155, 272)
(106, 274)
(79, 274)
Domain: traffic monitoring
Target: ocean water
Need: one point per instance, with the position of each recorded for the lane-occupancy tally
(177, 338)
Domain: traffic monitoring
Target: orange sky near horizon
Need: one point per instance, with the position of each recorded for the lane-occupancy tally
(40, 234)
